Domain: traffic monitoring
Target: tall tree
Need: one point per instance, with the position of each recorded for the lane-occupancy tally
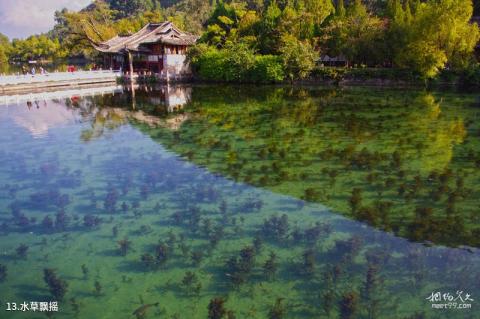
(298, 57)
(438, 34)
(125, 8)
(37, 47)
(5, 49)
(222, 26)
(357, 35)
(269, 37)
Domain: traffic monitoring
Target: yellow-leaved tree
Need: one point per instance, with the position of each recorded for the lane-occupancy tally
(437, 35)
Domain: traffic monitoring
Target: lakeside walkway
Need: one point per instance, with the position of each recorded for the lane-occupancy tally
(15, 83)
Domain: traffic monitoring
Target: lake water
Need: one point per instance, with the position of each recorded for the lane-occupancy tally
(262, 202)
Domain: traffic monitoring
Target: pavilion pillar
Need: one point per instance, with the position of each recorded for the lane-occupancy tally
(130, 64)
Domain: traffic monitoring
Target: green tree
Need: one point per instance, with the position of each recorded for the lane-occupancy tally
(340, 11)
(298, 57)
(438, 34)
(357, 35)
(223, 23)
(193, 14)
(89, 27)
(269, 35)
(5, 48)
(240, 59)
(237, 62)
(312, 14)
(125, 8)
(37, 47)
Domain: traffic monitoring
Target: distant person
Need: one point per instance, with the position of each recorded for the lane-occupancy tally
(24, 70)
(42, 70)
(33, 71)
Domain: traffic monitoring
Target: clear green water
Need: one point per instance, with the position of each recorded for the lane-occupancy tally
(214, 178)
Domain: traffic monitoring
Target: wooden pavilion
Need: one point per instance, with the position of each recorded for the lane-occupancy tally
(159, 48)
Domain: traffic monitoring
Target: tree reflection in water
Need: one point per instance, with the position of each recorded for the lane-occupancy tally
(403, 151)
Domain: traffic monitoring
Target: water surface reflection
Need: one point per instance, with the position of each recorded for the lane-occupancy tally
(240, 202)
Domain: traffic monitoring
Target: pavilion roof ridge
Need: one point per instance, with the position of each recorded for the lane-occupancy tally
(165, 32)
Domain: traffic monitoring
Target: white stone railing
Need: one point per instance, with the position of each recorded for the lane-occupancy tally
(57, 77)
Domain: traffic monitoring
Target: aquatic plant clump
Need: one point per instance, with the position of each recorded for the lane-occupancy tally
(58, 287)
(3, 273)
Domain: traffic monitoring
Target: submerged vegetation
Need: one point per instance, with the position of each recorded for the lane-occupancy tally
(394, 161)
(124, 246)
(3, 273)
(273, 203)
(57, 286)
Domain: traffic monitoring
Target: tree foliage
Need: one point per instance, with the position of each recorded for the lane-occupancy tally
(437, 34)
(298, 57)
(125, 8)
(235, 63)
(422, 36)
(36, 47)
(5, 48)
(356, 34)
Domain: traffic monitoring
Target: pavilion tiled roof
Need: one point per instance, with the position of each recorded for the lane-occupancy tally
(164, 32)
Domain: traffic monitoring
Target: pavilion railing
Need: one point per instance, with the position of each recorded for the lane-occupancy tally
(57, 77)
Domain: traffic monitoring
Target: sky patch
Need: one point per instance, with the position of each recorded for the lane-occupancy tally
(22, 18)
